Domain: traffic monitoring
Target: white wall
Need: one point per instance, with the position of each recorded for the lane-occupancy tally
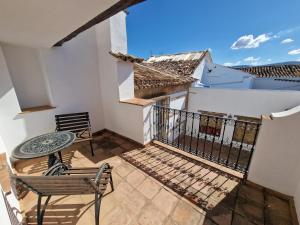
(245, 102)
(116, 81)
(271, 83)
(217, 76)
(73, 77)
(12, 131)
(178, 100)
(297, 199)
(276, 160)
(80, 76)
(3, 212)
(27, 75)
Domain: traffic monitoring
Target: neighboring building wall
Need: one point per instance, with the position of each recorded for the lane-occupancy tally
(200, 70)
(276, 160)
(155, 92)
(252, 103)
(217, 76)
(271, 83)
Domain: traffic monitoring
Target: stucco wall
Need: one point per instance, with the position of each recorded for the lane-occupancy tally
(116, 81)
(276, 161)
(27, 75)
(270, 83)
(72, 79)
(217, 76)
(245, 102)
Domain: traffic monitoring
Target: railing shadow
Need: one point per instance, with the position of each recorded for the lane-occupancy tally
(210, 189)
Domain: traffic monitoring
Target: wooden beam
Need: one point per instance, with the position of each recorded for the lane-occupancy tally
(119, 6)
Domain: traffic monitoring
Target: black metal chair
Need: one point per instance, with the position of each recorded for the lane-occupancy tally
(78, 123)
(61, 180)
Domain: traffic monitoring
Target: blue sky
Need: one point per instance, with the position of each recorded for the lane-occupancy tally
(238, 32)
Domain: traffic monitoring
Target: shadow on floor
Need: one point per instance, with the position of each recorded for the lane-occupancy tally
(59, 214)
(225, 199)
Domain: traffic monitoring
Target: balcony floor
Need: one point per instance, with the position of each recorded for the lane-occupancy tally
(155, 185)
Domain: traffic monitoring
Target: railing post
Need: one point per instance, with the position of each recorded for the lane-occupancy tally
(173, 125)
(252, 149)
(192, 132)
(241, 146)
(179, 129)
(221, 144)
(203, 152)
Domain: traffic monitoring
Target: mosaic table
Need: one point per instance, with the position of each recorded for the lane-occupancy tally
(43, 145)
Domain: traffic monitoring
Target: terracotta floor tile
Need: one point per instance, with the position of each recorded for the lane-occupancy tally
(165, 201)
(149, 188)
(151, 215)
(154, 185)
(135, 178)
(184, 214)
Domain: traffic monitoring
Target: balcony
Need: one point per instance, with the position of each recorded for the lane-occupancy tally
(158, 184)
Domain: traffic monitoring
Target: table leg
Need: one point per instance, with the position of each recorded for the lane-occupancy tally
(52, 160)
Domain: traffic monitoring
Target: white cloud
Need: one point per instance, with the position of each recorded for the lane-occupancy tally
(248, 41)
(286, 41)
(294, 52)
(269, 60)
(251, 59)
(232, 64)
(298, 60)
(286, 32)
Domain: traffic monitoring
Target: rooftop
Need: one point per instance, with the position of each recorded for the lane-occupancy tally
(273, 71)
(147, 75)
(157, 185)
(182, 64)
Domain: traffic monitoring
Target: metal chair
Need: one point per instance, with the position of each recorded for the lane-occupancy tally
(61, 180)
(78, 123)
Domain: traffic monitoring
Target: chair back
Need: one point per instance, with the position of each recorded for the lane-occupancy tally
(78, 123)
(65, 184)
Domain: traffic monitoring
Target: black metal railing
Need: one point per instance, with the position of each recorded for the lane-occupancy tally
(223, 140)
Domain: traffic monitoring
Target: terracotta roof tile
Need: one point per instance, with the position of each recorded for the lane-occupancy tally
(147, 77)
(154, 75)
(183, 64)
(273, 71)
(126, 57)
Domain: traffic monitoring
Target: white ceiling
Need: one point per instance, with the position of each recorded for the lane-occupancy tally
(42, 23)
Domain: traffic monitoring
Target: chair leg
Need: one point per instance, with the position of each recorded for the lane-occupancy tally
(60, 157)
(92, 148)
(40, 214)
(111, 183)
(38, 211)
(98, 199)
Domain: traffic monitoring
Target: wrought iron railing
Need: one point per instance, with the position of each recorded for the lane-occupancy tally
(223, 140)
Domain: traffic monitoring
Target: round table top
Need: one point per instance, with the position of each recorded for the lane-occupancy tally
(43, 145)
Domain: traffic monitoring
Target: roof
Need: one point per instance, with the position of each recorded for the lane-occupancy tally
(273, 71)
(126, 57)
(147, 77)
(182, 64)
